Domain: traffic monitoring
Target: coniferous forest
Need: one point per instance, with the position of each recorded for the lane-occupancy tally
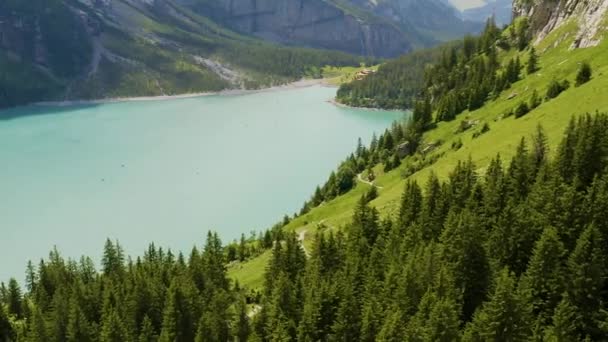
(516, 253)
(516, 250)
(456, 76)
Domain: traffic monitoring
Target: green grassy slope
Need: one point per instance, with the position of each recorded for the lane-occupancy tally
(556, 61)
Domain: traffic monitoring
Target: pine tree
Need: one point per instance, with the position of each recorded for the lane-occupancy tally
(433, 209)
(213, 324)
(540, 149)
(532, 65)
(242, 250)
(519, 175)
(347, 325)
(37, 330)
(241, 328)
(6, 329)
(465, 256)
(587, 272)
(147, 333)
(392, 330)
(503, 317)
(543, 283)
(584, 74)
(411, 204)
(566, 321)
(14, 299)
(112, 329)
(443, 324)
(78, 329)
(535, 100)
(31, 277)
(522, 34)
(282, 309)
(113, 259)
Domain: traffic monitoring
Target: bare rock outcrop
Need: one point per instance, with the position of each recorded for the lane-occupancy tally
(545, 16)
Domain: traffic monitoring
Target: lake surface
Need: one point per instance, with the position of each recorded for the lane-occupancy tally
(165, 171)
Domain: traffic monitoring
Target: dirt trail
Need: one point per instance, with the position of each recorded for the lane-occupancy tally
(360, 179)
(301, 236)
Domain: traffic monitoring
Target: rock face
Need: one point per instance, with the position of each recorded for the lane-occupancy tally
(313, 23)
(548, 15)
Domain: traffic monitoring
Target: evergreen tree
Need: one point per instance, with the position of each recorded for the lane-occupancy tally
(113, 259)
(6, 329)
(544, 281)
(587, 272)
(433, 209)
(178, 319)
(584, 74)
(147, 333)
(503, 317)
(392, 330)
(443, 324)
(213, 324)
(465, 256)
(78, 329)
(411, 204)
(566, 321)
(242, 251)
(241, 328)
(113, 329)
(37, 330)
(347, 325)
(532, 65)
(14, 299)
(540, 150)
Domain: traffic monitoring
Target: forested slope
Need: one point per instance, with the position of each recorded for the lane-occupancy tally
(487, 224)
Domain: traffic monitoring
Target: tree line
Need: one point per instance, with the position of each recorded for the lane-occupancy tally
(517, 253)
(452, 78)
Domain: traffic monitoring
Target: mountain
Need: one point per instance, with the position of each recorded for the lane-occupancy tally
(435, 19)
(85, 49)
(501, 10)
(385, 28)
(89, 49)
(335, 25)
(483, 218)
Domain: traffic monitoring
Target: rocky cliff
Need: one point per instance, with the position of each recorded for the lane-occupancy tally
(316, 23)
(545, 16)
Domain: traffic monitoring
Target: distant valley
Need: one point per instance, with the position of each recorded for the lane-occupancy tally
(90, 49)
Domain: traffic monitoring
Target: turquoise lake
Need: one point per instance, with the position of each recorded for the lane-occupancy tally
(165, 171)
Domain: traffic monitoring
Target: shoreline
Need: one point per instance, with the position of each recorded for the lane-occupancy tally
(304, 83)
(342, 105)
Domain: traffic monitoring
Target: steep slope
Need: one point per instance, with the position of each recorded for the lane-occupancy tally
(547, 16)
(502, 10)
(322, 24)
(433, 18)
(480, 134)
(372, 28)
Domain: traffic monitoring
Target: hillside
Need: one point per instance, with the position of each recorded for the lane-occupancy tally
(386, 28)
(71, 49)
(502, 10)
(84, 49)
(448, 143)
(483, 218)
